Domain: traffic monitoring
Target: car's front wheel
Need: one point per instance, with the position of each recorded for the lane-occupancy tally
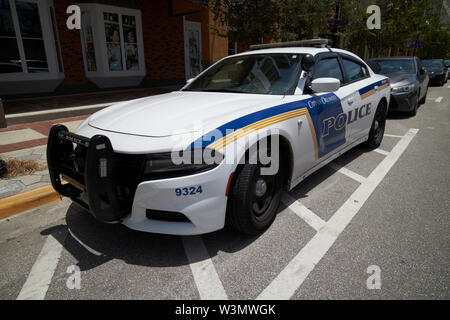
(378, 125)
(254, 199)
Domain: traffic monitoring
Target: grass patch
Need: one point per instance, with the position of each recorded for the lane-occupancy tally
(17, 167)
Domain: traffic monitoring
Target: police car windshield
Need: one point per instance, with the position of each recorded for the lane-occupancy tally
(275, 74)
(393, 66)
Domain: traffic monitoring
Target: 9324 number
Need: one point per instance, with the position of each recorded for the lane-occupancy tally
(189, 191)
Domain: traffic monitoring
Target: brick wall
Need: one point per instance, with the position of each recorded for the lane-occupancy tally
(70, 47)
(163, 42)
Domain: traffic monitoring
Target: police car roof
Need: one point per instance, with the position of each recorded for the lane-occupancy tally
(301, 50)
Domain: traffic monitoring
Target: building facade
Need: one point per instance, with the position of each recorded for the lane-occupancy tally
(121, 43)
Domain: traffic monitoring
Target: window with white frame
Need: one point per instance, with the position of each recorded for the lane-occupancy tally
(122, 54)
(22, 39)
(112, 43)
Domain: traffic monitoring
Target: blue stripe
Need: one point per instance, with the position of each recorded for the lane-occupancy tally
(371, 87)
(319, 107)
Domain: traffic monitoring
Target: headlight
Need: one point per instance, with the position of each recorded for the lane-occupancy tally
(402, 89)
(183, 162)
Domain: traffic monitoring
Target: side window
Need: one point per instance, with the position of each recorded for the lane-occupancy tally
(354, 70)
(328, 68)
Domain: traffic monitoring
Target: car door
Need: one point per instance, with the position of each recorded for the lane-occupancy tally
(329, 110)
(363, 96)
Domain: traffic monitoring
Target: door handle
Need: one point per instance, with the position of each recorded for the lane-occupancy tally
(376, 88)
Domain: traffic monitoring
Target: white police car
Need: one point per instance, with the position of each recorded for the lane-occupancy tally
(315, 101)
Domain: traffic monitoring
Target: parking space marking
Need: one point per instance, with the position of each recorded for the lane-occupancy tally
(205, 275)
(294, 274)
(381, 151)
(392, 136)
(41, 274)
(303, 212)
(353, 175)
(438, 100)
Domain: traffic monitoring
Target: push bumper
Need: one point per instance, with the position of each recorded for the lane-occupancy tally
(86, 164)
(112, 188)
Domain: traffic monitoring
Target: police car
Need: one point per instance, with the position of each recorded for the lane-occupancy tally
(127, 163)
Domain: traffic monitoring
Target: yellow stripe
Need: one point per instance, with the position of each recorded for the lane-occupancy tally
(256, 126)
(240, 134)
(384, 86)
(294, 113)
(368, 94)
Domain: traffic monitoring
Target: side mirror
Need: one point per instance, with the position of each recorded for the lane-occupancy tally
(188, 81)
(325, 85)
(422, 71)
(308, 63)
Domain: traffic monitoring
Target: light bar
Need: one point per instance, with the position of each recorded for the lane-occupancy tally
(319, 43)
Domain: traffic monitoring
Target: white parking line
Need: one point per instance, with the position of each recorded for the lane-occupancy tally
(438, 100)
(294, 274)
(41, 273)
(303, 212)
(347, 172)
(392, 136)
(381, 151)
(205, 275)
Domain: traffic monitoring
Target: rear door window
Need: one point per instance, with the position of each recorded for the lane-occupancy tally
(328, 68)
(354, 71)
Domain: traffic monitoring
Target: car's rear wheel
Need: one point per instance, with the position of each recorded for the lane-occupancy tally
(378, 125)
(254, 199)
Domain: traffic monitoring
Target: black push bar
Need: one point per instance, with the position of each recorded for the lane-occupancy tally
(87, 165)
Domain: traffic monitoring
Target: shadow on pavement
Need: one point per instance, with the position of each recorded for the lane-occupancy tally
(93, 243)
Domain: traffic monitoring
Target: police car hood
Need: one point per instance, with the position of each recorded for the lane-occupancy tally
(179, 112)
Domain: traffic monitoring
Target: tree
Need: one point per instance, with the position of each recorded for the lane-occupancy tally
(247, 21)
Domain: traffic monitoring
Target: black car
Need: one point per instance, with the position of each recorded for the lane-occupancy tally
(437, 71)
(409, 81)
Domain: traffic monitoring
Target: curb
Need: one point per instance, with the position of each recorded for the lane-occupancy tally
(27, 200)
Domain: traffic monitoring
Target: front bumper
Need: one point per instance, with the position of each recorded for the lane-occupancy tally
(437, 79)
(113, 188)
(402, 102)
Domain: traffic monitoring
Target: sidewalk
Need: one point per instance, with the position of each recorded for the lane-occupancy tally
(28, 141)
(54, 107)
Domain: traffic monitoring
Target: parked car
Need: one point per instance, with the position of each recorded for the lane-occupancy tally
(447, 64)
(437, 70)
(318, 102)
(409, 81)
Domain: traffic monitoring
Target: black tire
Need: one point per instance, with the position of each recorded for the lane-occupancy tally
(424, 99)
(245, 214)
(377, 129)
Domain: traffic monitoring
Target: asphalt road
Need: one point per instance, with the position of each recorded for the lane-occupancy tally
(388, 210)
